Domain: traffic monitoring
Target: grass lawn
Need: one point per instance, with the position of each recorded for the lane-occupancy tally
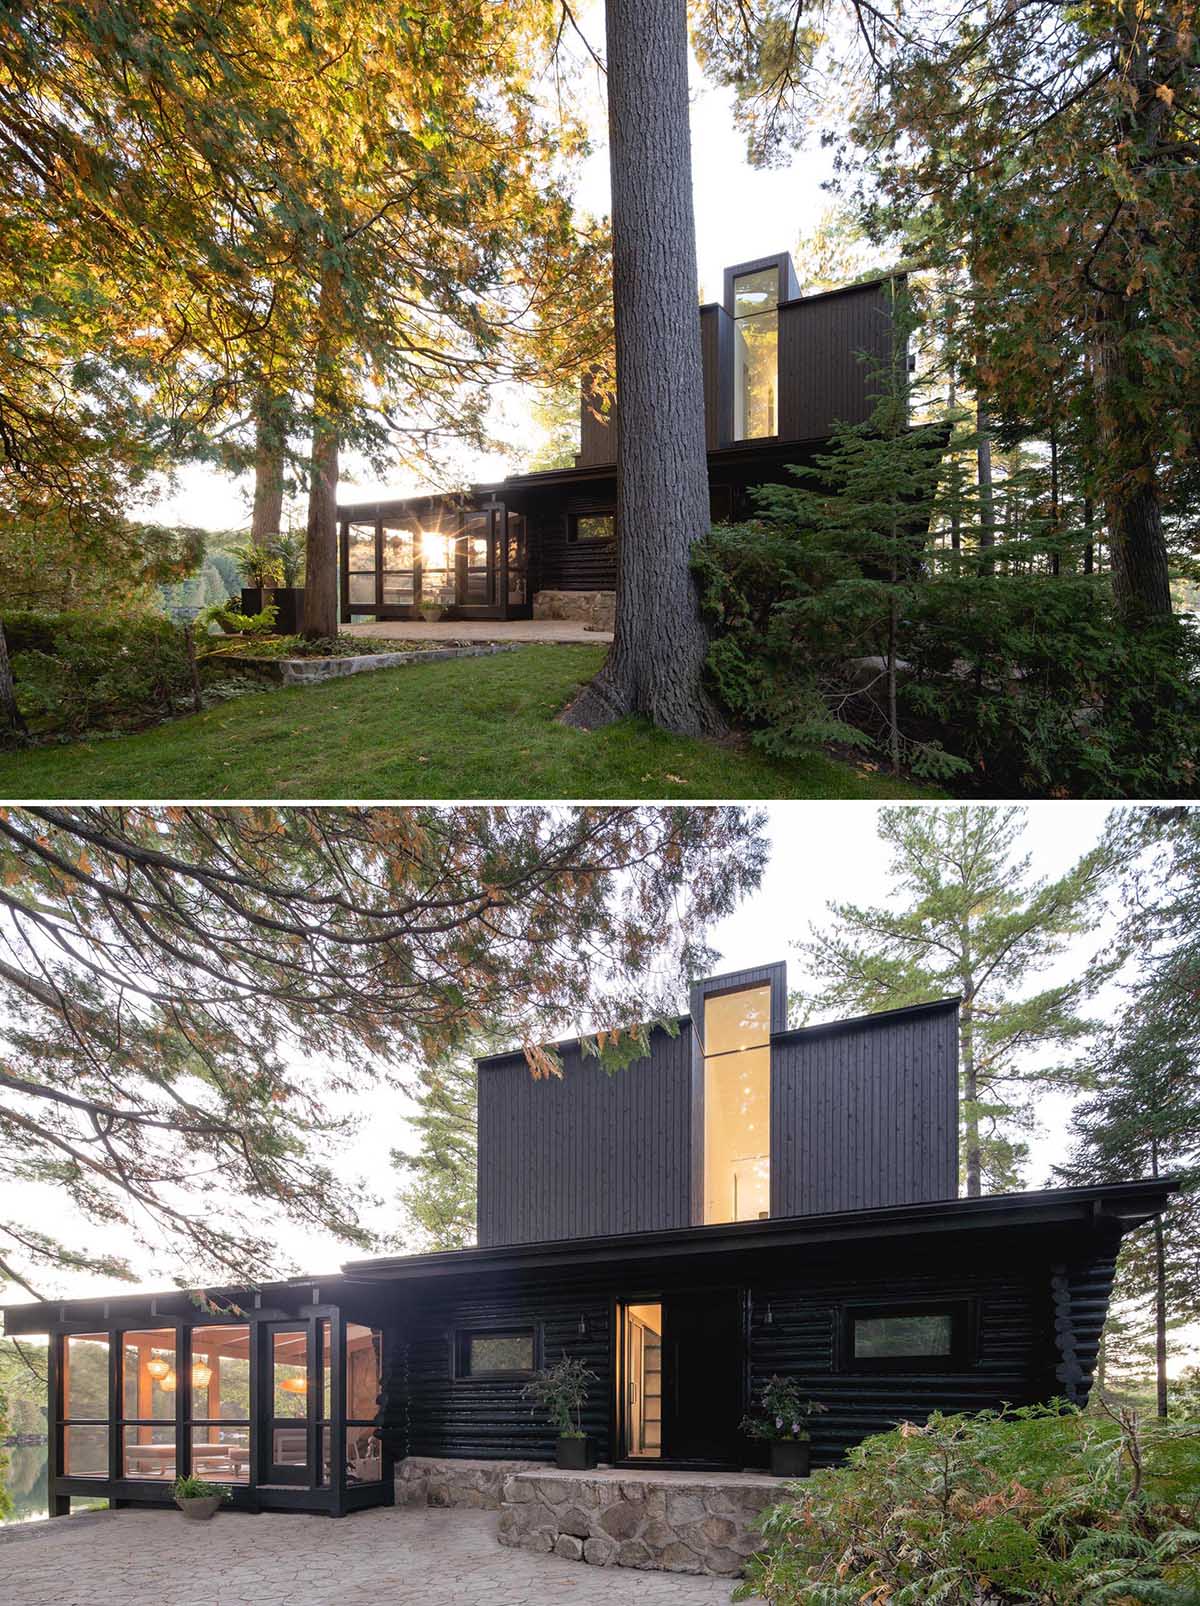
(465, 728)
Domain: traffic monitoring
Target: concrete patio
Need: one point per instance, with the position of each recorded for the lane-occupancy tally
(397, 1557)
(473, 630)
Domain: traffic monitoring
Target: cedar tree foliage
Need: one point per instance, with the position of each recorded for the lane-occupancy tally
(187, 991)
(225, 226)
(1043, 160)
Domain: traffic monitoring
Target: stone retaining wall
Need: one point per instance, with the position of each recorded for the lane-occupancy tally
(430, 1481)
(701, 1524)
(306, 671)
(595, 608)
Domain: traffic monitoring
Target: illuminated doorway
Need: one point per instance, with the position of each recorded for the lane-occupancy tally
(641, 1372)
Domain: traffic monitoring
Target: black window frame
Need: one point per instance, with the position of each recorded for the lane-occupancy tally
(460, 1349)
(963, 1327)
(573, 535)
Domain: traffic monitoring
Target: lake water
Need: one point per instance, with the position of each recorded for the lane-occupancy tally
(26, 1482)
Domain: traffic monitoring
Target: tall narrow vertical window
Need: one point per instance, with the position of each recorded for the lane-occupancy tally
(149, 1381)
(737, 1105)
(364, 1361)
(756, 355)
(220, 1403)
(85, 1405)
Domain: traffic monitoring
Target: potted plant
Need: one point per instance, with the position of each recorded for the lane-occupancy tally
(288, 596)
(561, 1391)
(785, 1424)
(261, 570)
(431, 612)
(198, 1500)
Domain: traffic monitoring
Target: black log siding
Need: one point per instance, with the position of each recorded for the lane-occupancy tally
(588, 1155)
(1010, 1363)
(820, 378)
(865, 1114)
(565, 565)
(489, 1419)
(1080, 1295)
(1011, 1359)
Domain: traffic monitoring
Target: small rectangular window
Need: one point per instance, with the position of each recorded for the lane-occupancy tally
(903, 1338)
(496, 1354)
(592, 527)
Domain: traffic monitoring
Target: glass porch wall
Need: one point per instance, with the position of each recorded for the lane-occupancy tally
(282, 1412)
(457, 559)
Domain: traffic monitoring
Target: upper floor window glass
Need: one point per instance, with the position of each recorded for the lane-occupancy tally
(737, 1105)
(756, 354)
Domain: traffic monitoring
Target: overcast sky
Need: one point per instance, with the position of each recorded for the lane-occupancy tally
(740, 213)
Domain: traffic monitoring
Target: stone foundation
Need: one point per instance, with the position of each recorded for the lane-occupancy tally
(430, 1481)
(595, 608)
(672, 1522)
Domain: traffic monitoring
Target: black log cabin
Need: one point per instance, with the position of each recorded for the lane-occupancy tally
(745, 1200)
(779, 369)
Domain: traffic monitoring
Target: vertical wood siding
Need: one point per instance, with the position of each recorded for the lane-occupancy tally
(865, 1115)
(820, 376)
(588, 1154)
(716, 346)
(597, 429)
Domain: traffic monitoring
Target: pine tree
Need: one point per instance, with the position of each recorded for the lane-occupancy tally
(438, 1203)
(1142, 1114)
(965, 916)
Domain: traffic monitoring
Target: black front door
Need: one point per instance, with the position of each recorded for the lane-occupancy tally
(702, 1376)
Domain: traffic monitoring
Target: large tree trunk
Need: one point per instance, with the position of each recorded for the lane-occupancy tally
(268, 476)
(1137, 547)
(320, 553)
(659, 646)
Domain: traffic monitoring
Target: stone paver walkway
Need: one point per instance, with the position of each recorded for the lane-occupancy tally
(525, 630)
(394, 1557)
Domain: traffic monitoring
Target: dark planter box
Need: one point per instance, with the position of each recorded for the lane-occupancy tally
(290, 601)
(289, 621)
(790, 1458)
(575, 1455)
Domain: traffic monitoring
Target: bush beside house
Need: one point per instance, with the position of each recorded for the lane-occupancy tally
(1040, 1505)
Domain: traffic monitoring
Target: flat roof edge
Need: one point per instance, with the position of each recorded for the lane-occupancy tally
(813, 1028)
(1083, 1203)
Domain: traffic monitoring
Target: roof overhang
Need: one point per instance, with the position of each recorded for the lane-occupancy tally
(1110, 1209)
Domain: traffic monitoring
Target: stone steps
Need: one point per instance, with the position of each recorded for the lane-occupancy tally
(668, 1521)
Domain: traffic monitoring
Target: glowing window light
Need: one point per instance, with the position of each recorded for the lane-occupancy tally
(435, 549)
(158, 1369)
(201, 1375)
(294, 1385)
(168, 1383)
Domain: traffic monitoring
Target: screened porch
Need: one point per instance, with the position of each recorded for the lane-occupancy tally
(466, 559)
(273, 1396)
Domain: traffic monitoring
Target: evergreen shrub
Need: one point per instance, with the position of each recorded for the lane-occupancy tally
(1007, 685)
(75, 672)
